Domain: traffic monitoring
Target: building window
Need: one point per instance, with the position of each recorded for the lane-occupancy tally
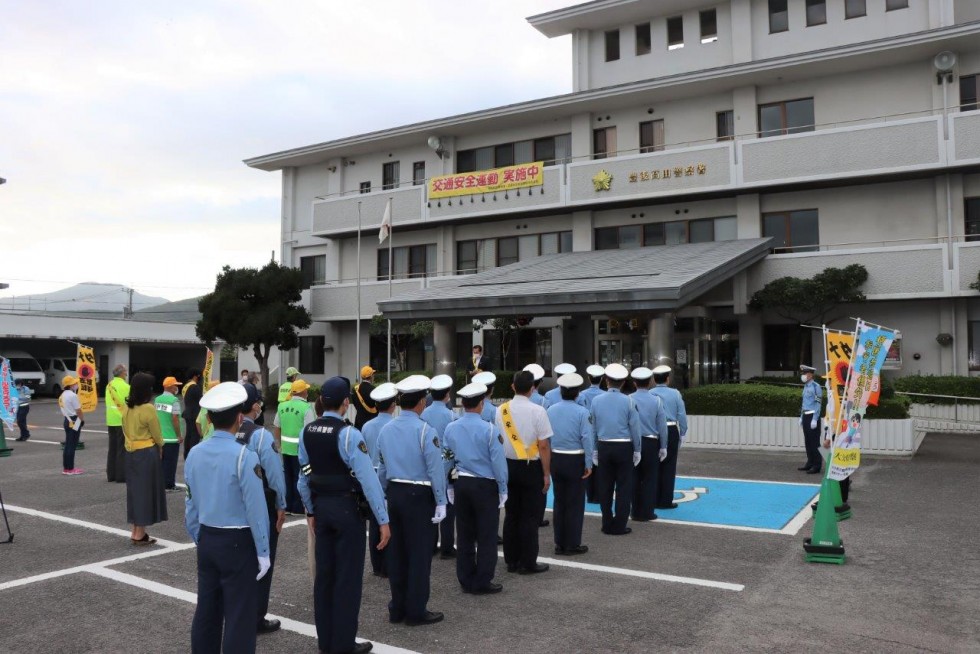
(643, 39)
(792, 231)
(855, 8)
(313, 269)
(469, 257)
(365, 187)
(785, 347)
(508, 251)
(418, 173)
(816, 12)
(725, 125)
(675, 32)
(652, 136)
(973, 344)
(709, 26)
(789, 117)
(971, 216)
(612, 45)
(969, 90)
(675, 232)
(472, 256)
(503, 155)
(550, 149)
(778, 16)
(603, 142)
(389, 175)
(311, 354)
(892, 5)
(408, 261)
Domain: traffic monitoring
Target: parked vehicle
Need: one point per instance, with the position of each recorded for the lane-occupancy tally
(24, 366)
(55, 370)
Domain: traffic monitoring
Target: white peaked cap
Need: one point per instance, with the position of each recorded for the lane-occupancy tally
(595, 370)
(564, 369)
(616, 371)
(485, 378)
(441, 383)
(224, 396)
(472, 390)
(571, 380)
(384, 392)
(535, 370)
(641, 373)
(661, 370)
(414, 384)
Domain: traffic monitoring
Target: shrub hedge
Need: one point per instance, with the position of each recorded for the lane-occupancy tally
(768, 400)
(938, 385)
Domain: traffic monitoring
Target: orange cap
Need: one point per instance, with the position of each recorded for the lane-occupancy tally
(171, 381)
(367, 371)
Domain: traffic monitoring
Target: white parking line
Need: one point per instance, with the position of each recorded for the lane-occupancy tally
(88, 525)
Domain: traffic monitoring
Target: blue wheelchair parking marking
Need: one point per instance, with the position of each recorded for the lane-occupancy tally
(755, 505)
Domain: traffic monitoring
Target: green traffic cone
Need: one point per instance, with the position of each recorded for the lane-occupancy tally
(4, 450)
(842, 509)
(825, 546)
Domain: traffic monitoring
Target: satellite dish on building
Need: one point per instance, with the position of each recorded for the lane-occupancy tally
(944, 61)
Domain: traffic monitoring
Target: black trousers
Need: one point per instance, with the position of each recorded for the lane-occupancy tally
(379, 558)
(22, 412)
(410, 510)
(115, 462)
(668, 469)
(615, 478)
(226, 592)
(265, 583)
(811, 440)
(445, 531)
(569, 509)
(191, 436)
(845, 489)
(477, 519)
(171, 455)
(71, 442)
(645, 478)
(522, 513)
(339, 571)
(290, 466)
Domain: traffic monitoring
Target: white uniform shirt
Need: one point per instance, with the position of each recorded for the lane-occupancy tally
(531, 421)
(69, 403)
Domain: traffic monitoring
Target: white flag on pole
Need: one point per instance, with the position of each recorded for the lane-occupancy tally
(385, 223)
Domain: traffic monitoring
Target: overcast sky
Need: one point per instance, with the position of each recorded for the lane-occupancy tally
(123, 124)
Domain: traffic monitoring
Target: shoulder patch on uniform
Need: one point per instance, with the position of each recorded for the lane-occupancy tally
(189, 495)
(362, 446)
(500, 437)
(435, 441)
(258, 470)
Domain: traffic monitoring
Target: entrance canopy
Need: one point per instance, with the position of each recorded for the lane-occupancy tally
(666, 278)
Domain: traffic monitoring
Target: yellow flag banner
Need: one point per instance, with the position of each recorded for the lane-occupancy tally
(839, 348)
(487, 181)
(85, 370)
(206, 374)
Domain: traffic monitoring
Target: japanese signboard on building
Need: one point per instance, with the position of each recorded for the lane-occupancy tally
(487, 181)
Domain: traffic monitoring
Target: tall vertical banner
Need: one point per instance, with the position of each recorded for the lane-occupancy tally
(206, 374)
(7, 390)
(85, 370)
(871, 343)
(839, 347)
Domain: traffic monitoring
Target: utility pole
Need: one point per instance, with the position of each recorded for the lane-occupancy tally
(128, 311)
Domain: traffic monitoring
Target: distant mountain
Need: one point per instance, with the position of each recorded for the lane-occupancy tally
(179, 311)
(88, 296)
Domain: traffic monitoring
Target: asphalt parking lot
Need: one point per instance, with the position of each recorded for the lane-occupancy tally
(72, 582)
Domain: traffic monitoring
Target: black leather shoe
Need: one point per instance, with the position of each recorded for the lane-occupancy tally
(580, 549)
(627, 530)
(813, 471)
(393, 619)
(560, 551)
(538, 567)
(268, 626)
(672, 505)
(511, 568)
(641, 519)
(362, 648)
(544, 523)
(804, 468)
(430, 617)
(451, 554)
(489, 589)
(379, 573)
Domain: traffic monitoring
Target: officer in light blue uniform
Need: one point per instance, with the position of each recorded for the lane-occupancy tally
(336, 480)
(810, 415)
(595, 373)
(553, 396)
(412, 471)
(259, 440)
(479, 492)
(538, 373)
(488, 379)
(438, 415)
(676, 432)
(384, 401)
(226, 515)
(572, 445)
(653, 428)
(617, 427)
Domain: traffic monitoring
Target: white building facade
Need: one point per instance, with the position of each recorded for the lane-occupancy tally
(829, 128)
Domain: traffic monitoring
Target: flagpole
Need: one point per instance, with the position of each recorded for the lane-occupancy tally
(391, 238)
(357, 321)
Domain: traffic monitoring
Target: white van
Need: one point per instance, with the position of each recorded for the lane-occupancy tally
(24, 366)
(55, 370)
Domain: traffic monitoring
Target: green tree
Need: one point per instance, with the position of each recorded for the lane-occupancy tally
(976, 285)
(255, 309)
(401, 338)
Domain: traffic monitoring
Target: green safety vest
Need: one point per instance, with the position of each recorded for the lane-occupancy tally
(284, 389)
(166, 405)
(204, 428)
(291, 416)
(116, 392)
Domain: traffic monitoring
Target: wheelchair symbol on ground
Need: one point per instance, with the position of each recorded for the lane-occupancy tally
(689, 495)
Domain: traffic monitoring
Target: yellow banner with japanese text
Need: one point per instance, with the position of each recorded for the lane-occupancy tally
(487, 181)
(839, 347)
(206, 373)
(85, 370)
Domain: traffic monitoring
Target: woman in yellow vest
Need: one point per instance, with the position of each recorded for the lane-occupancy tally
(291, 417)
(168, 413)
(146, 502)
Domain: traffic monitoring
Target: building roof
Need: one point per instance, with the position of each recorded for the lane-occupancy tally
(600, 14)
(666, 277)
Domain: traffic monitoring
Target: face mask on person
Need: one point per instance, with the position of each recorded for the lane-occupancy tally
(804, 378)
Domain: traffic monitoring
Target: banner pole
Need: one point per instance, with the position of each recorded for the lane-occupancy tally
(391, 239)
(357, 320)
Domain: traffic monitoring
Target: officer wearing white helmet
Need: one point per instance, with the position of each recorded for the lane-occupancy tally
(653, 427)
(438, 415)
(384, 401)
(554, 395)
(226, 515)
(595, 373)
(538, 373)
(412, 470)
(617, 425)
(676, 431)
(488, 379)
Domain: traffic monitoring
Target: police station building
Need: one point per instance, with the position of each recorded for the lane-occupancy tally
(707, 149)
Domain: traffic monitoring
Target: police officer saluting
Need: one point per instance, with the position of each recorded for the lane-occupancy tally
(479, 492)
(413, 473)
(617, 425)
(676, 431)
(384, 399)
(810, 411)
(257, 439)
(226, 515)
(438, 415)
(653, 429)
(337, 480)
(571, 462)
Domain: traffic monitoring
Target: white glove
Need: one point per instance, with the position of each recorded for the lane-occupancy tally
(663, 454)
(503, 500)
(595, 457)
(813, 423)
(682, 438)
(451, 495)
(264, 564)
(440, 514)
(636, 459)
